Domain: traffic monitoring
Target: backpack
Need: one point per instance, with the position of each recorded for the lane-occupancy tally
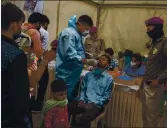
(24, 41)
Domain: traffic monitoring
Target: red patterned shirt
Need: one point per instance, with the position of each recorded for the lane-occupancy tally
(57, 117)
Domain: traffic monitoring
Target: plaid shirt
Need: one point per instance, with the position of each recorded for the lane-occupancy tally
(113, 64)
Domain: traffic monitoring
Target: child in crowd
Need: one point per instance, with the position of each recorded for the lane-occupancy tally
(55, 113)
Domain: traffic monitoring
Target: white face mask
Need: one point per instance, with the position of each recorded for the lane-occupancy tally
(133, 64)
(85, 33)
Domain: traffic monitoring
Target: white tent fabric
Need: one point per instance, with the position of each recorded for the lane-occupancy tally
(67, 9)
(121, 26)
(39, 6)
(124, 28)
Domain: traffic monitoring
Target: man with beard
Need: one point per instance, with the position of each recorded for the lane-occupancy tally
(15, 83)
(152, 86)
(95, 92)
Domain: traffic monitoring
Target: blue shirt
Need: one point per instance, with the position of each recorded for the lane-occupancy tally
(135, 72)
(70, 52)
(95, 88)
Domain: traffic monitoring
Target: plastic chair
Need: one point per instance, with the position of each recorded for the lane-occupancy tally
(94, 123)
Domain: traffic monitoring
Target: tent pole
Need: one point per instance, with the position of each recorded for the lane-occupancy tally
(157, 6)
(90, 2)
(98, 17)
(58, 14)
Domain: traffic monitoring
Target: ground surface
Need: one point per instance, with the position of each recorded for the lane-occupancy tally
(36, 119)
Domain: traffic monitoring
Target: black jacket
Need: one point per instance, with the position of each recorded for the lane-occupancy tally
(15, 86)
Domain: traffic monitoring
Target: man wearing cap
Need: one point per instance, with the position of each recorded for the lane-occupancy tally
(93, 45)
(152, 86)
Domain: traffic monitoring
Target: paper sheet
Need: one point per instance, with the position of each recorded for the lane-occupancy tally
(133, 87)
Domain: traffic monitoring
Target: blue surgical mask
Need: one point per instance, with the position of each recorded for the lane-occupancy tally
(85, 33)
(98, 71)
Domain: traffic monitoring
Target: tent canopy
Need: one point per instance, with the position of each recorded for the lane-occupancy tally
(130, 2)
(120, 23)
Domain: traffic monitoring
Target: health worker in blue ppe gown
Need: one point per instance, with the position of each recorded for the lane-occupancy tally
(70, 56)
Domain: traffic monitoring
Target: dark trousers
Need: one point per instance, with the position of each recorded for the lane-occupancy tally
(86, 117)
(17, 120)
(43, 85)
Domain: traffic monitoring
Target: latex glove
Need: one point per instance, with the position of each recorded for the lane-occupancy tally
(91, 62)
(90, 68)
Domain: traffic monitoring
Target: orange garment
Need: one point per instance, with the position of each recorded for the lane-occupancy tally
(35, 38)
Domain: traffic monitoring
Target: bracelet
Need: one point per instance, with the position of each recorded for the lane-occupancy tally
(44, 62)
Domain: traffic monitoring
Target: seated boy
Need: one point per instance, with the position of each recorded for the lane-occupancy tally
(55, 114)
(95, 92)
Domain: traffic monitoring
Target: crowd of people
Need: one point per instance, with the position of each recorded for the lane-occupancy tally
(25, 61)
